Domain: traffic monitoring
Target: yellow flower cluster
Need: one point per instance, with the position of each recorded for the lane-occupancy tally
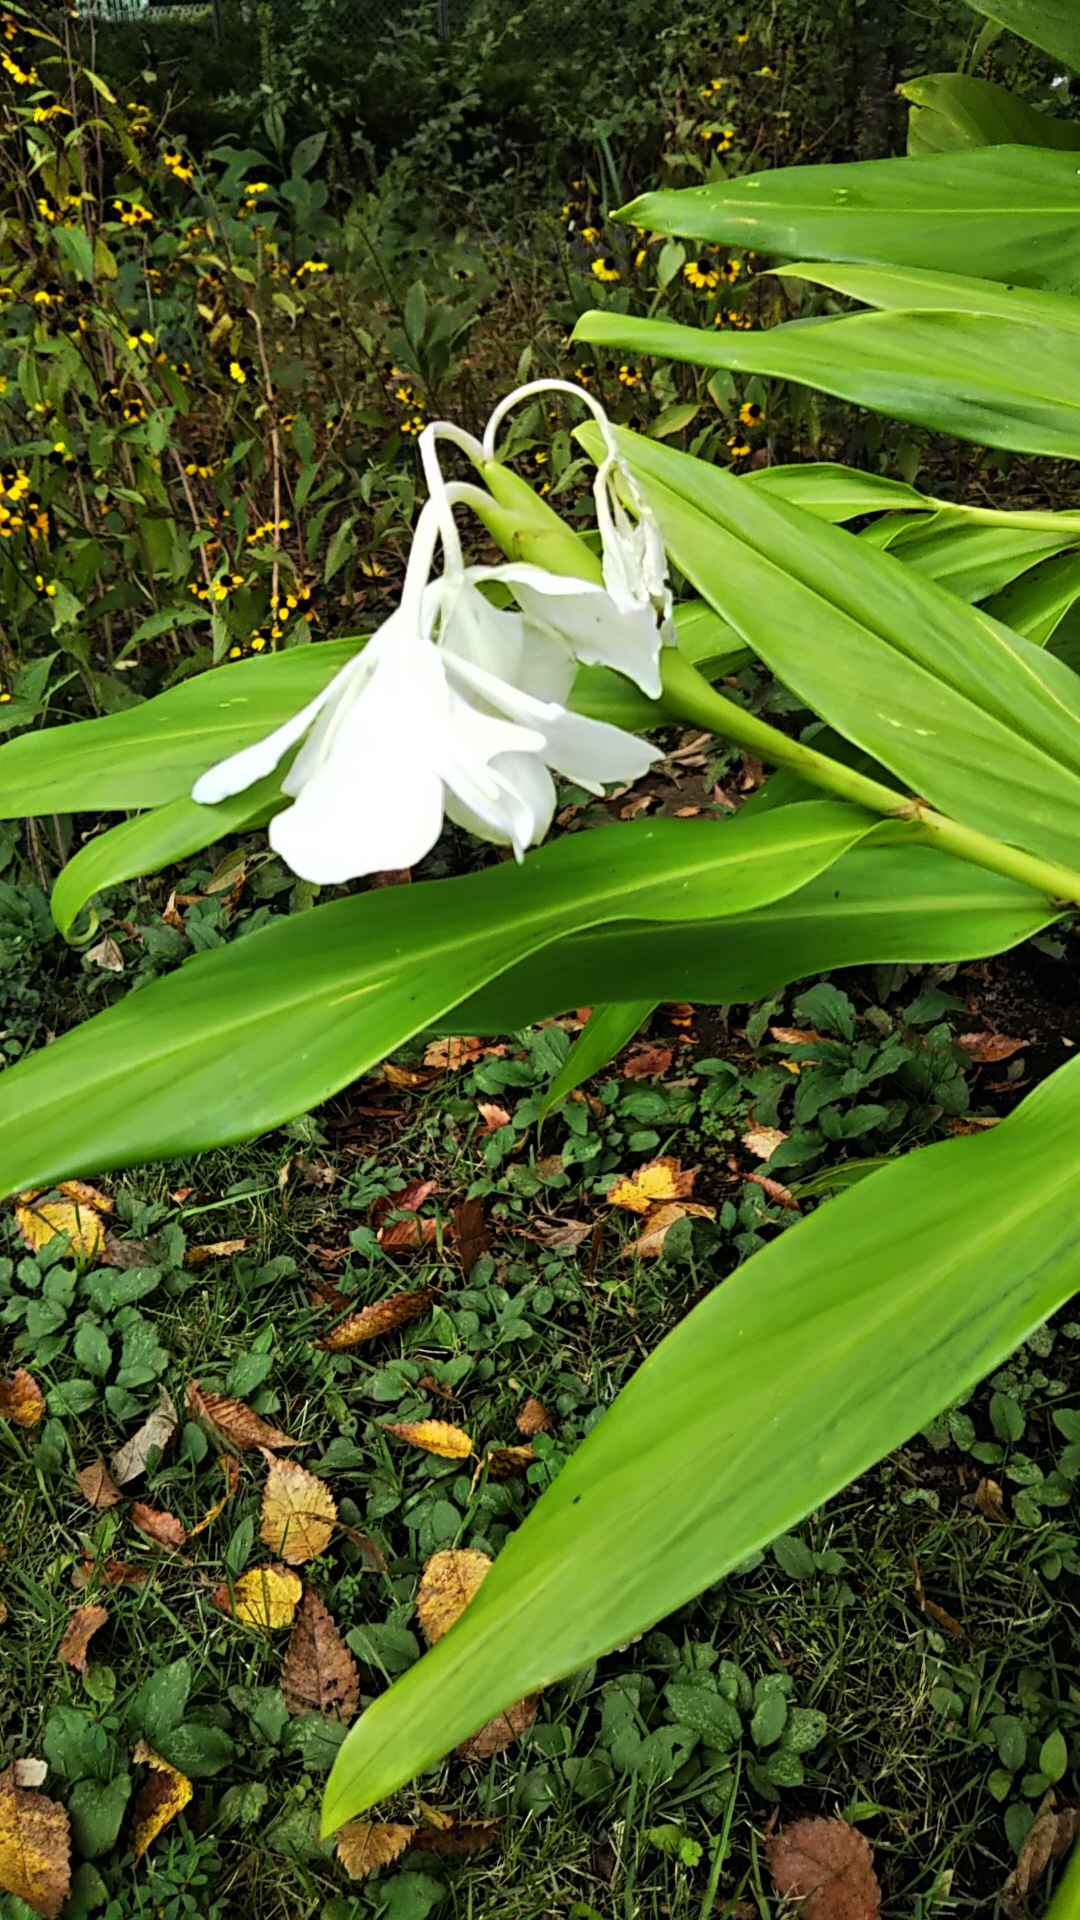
(698, 273)
(751, 414)
(45, 587)
(606, 268)
(218, 589)
(42, 116)
(201, 473)
(266, 531)
(132, 214)
(720, 139)
(22, 76)
(179, 168)
(630, 376)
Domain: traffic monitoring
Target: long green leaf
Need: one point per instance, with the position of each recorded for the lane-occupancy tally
(1053, 25)
(152, 840)
(243, 1038)
(1037, 604)
(825, 1350)
(951, 110)
(149, 755)
(1001, 383)
(975, 559)
(973, 717)
(880, 902)
(1009, 213)
(918, 288)
(604, 1034)
(835, 492)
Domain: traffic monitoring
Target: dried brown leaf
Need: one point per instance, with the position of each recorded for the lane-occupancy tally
(650, 1242)
(559, 1233)
(469, 1233)
(298, 1511)
(83, 1623)
(1051, 1833)
(238, 1425)
(365, 1845)
(762, 1142)
(987, 1049)
(658, 1180)
(499, 1733)
(406, 1076)
(797, 1037)
(447, 1584)
(647, 1063)
(106, 954)
(114, 1573)
(492, 1115)
(533, 1418)
(433, 1436)
(264, 1597)
(164, 1793)
(457, 1842)
(97, 1485)
(319, 1674)
(990, 1500)
(384, 1317)
(460, 1050)
(827, 1865)
(21, 1399)
(35, 1848)
(152, 1438)
(216, 1250)
(164, 1529)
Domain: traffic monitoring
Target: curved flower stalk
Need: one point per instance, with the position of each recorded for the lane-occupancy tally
(455, 708)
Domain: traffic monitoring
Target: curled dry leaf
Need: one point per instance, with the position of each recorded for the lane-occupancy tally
(447, 1584)
(319, 1674)
(216, 1250)
(35, 1847)
(405, 1200)
(264, 1597)
(650, 1242)
(433, 1436)
(3, 1622)
(21, 1399)
(990, 1500)
(501, 1732)
(533, 1418)
(106, 954)
(83, 1623)
(988, 1049)
(775, 1191)
(148, 1442)
(384, 1317)
(797, 1037)
(231, 1470)
(762, 1142)
(239, 1426)
(97, 1485)
(457, 1842)
(501, 1462)
(298, 1511)
(164, 1793)
(460, 1050)
(647, 1063)
(828, 1866)
(365, 1845)
(114, 1573)
(410, 1232)
(40, 1221)
(492, 1115)
(658, 1180)
(1051, 1833)
(406, 1076)
(566, 1234)
(164, 1529)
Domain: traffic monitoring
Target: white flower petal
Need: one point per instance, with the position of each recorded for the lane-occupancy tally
(596, 632)
(588, 751)
(253, 763)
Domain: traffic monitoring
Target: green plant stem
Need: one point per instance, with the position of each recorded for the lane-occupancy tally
(1065, 1904)
(688, 695)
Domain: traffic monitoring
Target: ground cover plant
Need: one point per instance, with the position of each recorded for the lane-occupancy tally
(439, 1277)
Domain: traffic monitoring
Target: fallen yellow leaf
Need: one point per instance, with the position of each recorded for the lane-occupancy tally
(35, 1847)
(365, 1845)
(41, 1220)
(265, 1597)
(21, 1399)
(650, 1241)
(447, 1584)
(163, 1795)
(762, 1142)
(298, 1511)
(433, 1436)
(217, 1250)
(385, 1316)
(657, 1180)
